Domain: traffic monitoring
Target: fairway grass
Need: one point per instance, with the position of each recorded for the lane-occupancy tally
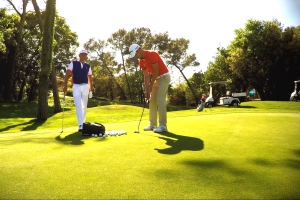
(237, 155)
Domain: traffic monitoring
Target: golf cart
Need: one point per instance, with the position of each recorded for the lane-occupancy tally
(295, 96)
(231, 99)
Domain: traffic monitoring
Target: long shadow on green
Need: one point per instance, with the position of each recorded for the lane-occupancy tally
(75, 139)
(32, 125)
(179, 143)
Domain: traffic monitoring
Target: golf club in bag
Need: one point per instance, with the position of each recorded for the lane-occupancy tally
(62, 117)
(138, 130)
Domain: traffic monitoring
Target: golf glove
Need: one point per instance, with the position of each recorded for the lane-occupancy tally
(90, 94)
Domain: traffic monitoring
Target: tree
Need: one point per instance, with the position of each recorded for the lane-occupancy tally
(46, 60)
(198, 83)
(12, 54)
(143, 37)
(260, 54)
(63, 37)
(7, 29)
(2, 29)
(220, 70)
(177, 56)
(117, 41)
(106, 62)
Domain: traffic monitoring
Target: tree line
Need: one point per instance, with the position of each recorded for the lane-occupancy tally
(262, 56)
(116, 76)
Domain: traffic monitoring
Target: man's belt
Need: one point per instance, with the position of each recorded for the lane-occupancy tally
(80, 83)
(165, 74)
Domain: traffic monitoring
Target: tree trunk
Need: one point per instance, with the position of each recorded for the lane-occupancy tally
(32, 94)
(123, 95)
(38, 14)
(57, 107)
(188, 83)
(23, 83)
(126, 78)
(9, 74)
(46, 61)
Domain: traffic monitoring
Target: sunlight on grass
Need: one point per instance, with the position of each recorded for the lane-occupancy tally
(221, 153)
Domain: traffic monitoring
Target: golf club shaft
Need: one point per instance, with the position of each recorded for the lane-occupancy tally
(142, 114)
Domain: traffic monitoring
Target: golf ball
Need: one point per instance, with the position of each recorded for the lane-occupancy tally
(93, 135)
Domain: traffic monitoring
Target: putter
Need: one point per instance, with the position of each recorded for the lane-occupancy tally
(62, 117)
(138, 130)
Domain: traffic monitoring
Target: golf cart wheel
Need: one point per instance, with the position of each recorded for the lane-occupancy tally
(234, 104)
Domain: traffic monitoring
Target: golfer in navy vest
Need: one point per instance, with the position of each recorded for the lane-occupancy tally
(81, 74)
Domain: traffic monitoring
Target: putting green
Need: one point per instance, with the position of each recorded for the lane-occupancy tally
(253, 156)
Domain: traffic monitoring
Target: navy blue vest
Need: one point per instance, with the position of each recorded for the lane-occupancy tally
(80, 74)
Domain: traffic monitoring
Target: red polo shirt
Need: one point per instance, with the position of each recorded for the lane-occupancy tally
(150, 58)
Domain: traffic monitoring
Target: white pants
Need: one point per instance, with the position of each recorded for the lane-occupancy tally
(80, 96)
(158, 102)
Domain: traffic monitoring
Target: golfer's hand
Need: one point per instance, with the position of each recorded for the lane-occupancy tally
(147, 96)
(90, 94)
(148, 93)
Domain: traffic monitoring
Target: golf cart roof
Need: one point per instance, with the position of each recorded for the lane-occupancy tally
(219, 82)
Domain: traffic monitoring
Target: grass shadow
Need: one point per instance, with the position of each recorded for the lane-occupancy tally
(74, 138)
(34, 125)
(214, 167)
(262, 162)
(22, 110)
(297, 152)
(96, 101)
(294, 163)
(16, 125)
(179, 143)
(241, 106)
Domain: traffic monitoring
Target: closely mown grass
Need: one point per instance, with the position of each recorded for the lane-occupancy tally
(21, 116)
(249, 152)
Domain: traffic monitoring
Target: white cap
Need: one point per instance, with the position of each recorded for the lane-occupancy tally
(132, 49)
(83, 51)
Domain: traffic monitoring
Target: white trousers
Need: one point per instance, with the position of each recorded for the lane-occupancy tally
(158, 102)
(80, 96)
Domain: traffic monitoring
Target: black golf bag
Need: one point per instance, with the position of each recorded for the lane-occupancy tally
(89, 128)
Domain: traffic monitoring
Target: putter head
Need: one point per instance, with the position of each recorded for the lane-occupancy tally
(137, 131)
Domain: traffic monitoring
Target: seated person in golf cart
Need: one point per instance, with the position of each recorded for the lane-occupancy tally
(201, 105)
(203, 97)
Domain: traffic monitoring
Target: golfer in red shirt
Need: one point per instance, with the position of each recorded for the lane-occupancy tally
(155, 88)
